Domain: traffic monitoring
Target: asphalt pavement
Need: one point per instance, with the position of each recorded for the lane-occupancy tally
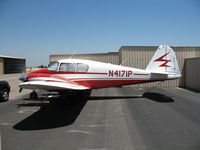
(111, 119)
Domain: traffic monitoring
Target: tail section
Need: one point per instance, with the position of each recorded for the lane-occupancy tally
(164, 61)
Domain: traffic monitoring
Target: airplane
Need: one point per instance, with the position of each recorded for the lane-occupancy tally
(79, 77)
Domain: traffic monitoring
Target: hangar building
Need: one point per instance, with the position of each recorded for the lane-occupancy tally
(11, 65)
(139, 57)
(192, 80)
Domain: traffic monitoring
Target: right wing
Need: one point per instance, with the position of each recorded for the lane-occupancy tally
(52, 85)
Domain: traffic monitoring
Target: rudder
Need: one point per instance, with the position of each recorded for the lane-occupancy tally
(164, 61)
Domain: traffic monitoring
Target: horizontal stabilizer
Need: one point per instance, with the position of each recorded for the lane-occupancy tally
(158, 76)
(161, 76)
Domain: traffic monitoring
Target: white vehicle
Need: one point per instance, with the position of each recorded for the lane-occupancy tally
(79, 75)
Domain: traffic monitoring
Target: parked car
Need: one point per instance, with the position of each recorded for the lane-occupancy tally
(4, 91)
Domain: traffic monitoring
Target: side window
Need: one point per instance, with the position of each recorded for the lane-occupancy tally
(63, 67)
(67, 67)
(71, 67)
(53, 66)
(82, 67)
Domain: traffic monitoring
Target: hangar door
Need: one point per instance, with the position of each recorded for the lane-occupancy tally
(14, 65)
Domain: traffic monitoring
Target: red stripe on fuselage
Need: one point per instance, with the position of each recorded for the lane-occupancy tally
(106, 83)
(40, 75)
(88, 82)
(109, 83)
(140, 74)
(46, 71)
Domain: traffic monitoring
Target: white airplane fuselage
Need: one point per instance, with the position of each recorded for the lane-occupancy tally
(78, 74)
(98, 75)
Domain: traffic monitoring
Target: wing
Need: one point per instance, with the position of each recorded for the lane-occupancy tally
(49, 85)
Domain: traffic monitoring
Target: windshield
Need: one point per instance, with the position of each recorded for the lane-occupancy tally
(53, 66)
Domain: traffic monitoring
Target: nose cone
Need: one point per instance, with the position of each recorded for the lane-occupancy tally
(23, 77)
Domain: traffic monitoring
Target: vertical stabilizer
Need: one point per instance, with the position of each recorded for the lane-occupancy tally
(164, 61)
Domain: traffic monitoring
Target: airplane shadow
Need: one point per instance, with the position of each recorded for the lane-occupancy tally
(58, 114)
(98, 98)
(50, 115)
(157, 97)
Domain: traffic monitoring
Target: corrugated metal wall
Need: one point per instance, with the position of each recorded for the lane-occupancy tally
(112, 57)
(139, 57)
(14, 65)
(1, 66)
(192, 76)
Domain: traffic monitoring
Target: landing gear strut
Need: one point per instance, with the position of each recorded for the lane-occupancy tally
(33, 95)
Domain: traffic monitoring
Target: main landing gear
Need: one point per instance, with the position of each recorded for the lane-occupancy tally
(70, 96)
(33, 95)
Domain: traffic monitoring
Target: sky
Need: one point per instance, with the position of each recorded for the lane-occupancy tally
(35, 29)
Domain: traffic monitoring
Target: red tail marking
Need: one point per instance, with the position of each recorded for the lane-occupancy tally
(165, 61)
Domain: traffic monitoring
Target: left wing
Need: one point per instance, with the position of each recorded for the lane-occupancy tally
(52, 85)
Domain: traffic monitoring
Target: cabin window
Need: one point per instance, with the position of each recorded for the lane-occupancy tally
(53, 66)
(67, 67)
(82, 67)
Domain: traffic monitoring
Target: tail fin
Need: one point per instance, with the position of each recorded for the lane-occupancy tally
(164, 61)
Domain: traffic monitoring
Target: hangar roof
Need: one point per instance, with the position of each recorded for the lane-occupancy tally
(2, 56)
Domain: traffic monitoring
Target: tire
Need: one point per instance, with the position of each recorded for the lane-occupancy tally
(33, 95)
(4, 95)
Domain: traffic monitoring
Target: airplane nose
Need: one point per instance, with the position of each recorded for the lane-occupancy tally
(23, 77)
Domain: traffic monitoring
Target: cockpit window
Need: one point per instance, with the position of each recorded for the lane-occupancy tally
(67, 67)
(82, 67)
(73, 67)
(53, 66)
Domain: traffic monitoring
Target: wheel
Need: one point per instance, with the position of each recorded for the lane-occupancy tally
(33, 95)
(4, 95)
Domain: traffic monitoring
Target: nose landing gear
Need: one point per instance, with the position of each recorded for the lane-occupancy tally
(33, 95)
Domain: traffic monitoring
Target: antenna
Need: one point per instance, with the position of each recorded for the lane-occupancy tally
(30, 69)
(174, 63)
(72, 54)
(124, 60)
(165, 56)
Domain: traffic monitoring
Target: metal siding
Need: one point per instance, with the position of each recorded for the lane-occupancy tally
(14, 65)
(192, 73)
(1, 66)
(139, 57)
(107, 57)
(143, 54)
